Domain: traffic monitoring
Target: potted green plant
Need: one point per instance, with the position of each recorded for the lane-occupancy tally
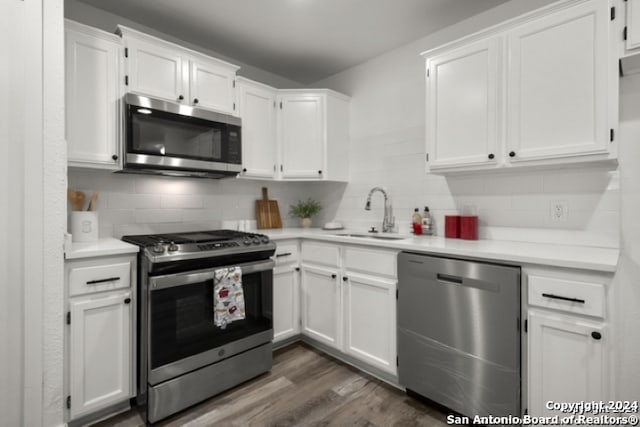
(305, 210)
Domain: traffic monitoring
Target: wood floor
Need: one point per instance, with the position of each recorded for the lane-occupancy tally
(304, 388)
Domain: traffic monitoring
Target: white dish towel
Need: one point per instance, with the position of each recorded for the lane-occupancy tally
(228, 297)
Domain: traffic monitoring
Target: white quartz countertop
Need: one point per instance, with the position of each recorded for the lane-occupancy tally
(102, 247)
(568, 256)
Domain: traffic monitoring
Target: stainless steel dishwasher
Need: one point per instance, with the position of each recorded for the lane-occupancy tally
(459, 333)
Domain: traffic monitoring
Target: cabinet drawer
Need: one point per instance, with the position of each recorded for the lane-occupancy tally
(567, 295)
(97, 278)
(370, 261)
(286, 252)
(321, 253)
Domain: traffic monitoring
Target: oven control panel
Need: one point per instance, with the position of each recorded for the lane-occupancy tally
(217, 245)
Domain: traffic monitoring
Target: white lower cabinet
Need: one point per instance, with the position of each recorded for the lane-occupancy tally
(567, 338)
(100, 351)
(566, 360)
(100, 334)
(321, 304)
(286, 305)
(370, 320)
(349, 301)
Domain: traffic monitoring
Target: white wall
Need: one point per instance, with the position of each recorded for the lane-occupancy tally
(98, 18)
(387, 149)
(32, 167)
(626, 287)
(11, 195)
(52, 215)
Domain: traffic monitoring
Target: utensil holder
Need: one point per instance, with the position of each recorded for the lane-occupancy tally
(84, 226)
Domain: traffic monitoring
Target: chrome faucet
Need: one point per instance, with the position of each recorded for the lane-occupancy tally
(388, 221)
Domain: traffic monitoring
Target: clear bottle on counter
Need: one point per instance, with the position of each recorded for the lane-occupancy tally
(428, 227)
(416, 220)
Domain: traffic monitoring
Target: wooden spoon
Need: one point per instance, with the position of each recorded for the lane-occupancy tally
(92, 202)
(76, 198)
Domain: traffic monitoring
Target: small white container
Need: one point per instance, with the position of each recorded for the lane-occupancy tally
(84, 226)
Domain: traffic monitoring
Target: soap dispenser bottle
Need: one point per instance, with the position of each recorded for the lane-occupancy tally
(416, 219)
(427, 222)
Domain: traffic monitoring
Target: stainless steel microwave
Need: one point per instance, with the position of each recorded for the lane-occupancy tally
(167, 138)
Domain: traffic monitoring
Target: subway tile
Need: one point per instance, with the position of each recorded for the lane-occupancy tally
(173, 185)
(513, 184)
(191, 215)
(133, 201)
(150, 216)
(574, 181)
(177, 201)
(465, 185)
(116, 216)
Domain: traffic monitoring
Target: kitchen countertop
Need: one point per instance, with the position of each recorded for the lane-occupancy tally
(547, 254)
(102, 247)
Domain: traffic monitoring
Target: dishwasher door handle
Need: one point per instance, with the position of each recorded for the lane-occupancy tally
(449, 279)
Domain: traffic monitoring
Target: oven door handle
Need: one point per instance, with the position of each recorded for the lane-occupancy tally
(188, 278)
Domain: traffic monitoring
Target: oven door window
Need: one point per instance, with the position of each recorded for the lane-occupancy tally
(160, 133)
(182, 322)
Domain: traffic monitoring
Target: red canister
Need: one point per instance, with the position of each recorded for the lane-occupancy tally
(452, 226)
(469, 227)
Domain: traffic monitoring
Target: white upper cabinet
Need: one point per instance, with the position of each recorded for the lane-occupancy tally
(257, 104)
(633, 24)
(293, 134)
(313, 133)
(302, 135)
(165, 70)
(93, 90)
(557, 101)
(463, 90)
(539, 90)
(155, 70)
(212, 84)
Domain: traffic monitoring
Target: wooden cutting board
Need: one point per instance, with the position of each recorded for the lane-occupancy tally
(267, 212)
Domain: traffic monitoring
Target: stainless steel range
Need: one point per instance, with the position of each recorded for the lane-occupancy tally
(183, 357)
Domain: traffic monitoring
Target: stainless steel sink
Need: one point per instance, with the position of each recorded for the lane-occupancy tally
(371, 236)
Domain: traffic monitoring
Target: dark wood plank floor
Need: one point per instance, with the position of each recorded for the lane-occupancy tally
(304, 388)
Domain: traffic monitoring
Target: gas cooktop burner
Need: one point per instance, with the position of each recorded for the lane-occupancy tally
(198, 244)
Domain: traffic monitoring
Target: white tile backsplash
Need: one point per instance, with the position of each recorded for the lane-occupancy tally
(184, 201)
(132, 201)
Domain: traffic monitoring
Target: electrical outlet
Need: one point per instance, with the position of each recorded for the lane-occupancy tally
(559, 210)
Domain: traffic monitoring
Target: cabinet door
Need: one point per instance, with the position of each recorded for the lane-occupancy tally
(286, 302)
(370, 320)
(557, 104)
(212, 86)
(92, 94)
(566, 361)
(633, 24)
(100, 357)
(257, 110)
(302, 136)
(463, 116)
(321, 305)
(157, 71)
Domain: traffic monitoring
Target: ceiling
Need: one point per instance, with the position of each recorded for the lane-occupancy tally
(303, 40)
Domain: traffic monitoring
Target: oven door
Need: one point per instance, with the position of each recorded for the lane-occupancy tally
(182, 335)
